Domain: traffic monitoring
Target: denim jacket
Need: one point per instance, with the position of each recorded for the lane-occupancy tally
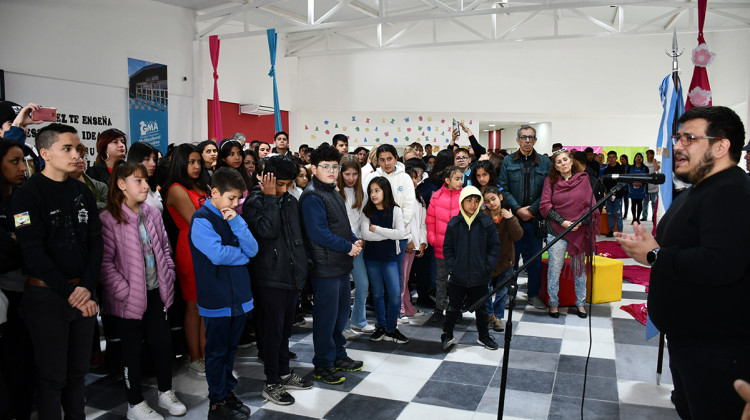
(511, 179)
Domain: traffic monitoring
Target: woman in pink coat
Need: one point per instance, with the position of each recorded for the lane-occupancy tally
(137, 279)
(443, 206)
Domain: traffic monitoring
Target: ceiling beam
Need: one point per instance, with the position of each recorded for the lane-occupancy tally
(593, 20)
(469, 28)
(506, 40)
(335, 9)
(400, 34)
(514, 27)
(233, 9)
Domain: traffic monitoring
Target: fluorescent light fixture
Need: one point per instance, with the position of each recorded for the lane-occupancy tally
(491, 125)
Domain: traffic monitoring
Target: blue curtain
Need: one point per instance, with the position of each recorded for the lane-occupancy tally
(271, 33)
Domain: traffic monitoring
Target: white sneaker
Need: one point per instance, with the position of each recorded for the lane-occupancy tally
(143, 412)
(367, 329)
(402, 319)
(350, 334)
(418, 314)
(198, 367)
(169, 401)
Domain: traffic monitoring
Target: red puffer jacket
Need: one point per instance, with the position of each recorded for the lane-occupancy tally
(444, 205)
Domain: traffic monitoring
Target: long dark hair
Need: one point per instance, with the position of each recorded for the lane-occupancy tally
(178, 169)
(5, 186)
(443, 159)
(351, 162)
(142, 150)
(202, 146)
(224, 151)
(115, 196)
(489, 168)
(388, 201)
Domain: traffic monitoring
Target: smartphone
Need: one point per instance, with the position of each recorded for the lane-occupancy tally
(45, 114)
(456, 127)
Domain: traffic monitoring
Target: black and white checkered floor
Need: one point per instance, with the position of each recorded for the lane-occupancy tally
(546, 373)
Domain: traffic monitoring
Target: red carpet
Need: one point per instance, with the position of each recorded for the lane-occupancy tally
(610, 249)
(637, 274)
(638, 310)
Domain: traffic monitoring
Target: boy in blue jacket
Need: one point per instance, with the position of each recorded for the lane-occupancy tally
(221, 246)
(471, 250)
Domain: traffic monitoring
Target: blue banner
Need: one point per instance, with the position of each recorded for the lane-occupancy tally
(148, 99)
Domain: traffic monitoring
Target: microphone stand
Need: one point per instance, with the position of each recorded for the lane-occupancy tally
(511, 281)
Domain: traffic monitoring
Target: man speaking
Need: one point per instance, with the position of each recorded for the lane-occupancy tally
(701, 252)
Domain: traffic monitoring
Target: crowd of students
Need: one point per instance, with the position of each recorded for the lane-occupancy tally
(246, 238)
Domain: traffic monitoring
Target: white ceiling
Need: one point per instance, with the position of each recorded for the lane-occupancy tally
(319, 27)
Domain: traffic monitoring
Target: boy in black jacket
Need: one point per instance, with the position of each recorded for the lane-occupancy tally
(279, 270)
(471, 251)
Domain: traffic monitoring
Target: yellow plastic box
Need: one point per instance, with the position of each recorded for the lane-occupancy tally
(607, 281)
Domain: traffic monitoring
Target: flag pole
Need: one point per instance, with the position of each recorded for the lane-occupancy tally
(676, 81)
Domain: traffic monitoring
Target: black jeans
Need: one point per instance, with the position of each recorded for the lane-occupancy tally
(159, 336)
(637, 208)
(703, 372)
(17, 371)
(278, 309)
(456, 296)
(62, 345)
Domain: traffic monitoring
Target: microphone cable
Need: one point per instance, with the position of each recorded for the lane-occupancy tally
(589, 269)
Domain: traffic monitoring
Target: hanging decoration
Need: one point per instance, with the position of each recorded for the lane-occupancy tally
(213, 42)
(272, 38)
(699, 93)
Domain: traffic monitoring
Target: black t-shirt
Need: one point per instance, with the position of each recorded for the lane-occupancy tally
(57, 225)
(617, 169)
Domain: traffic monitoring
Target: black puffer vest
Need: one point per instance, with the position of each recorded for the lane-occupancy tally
(327, 263)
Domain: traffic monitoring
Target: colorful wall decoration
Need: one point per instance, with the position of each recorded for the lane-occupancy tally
(368, 129)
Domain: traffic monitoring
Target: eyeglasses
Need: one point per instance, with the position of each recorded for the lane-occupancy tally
(527, 138)
(330, 168)
(462, 158)
(686, 138)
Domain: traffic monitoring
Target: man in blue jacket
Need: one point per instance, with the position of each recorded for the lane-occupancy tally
(522, 176)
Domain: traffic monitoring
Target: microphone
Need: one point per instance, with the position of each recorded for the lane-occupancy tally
(655, 178)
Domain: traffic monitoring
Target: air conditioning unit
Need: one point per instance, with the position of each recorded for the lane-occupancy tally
(255, 109)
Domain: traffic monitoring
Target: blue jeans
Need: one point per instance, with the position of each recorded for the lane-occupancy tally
(402, 244)
(614, 211)
(222, 337)
(528, 246)
(332, 297)
(649, 198)
(498, 307)
(361, 288)
(556, 262)
(384, 279)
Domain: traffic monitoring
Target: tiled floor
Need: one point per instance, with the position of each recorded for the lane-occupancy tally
(417, 380)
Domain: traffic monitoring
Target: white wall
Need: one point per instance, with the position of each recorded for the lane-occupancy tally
(73, 55)
(591, 91)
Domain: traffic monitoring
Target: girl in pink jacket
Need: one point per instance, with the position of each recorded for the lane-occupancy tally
(137, 278)
(443, 206)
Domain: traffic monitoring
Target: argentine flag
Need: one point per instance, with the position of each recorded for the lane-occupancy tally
(674, 106)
